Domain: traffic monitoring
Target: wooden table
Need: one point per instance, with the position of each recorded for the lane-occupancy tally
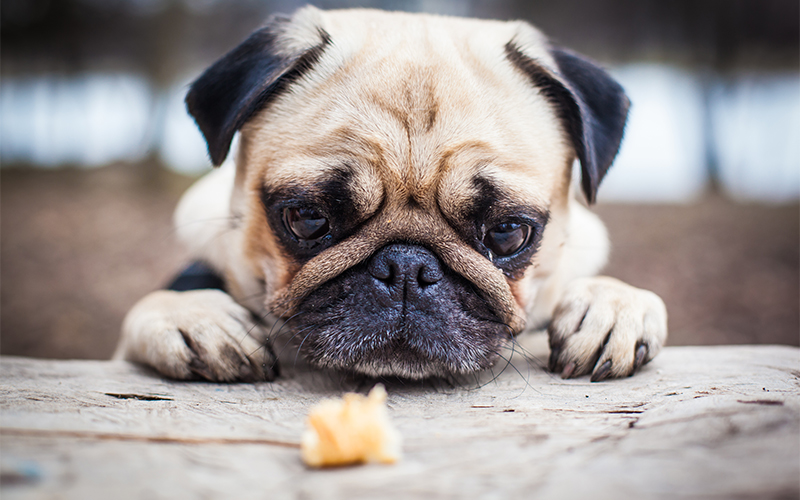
(698, 422)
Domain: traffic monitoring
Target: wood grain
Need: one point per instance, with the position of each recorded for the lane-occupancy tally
(697, 422)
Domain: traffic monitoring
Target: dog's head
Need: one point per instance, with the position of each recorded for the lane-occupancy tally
(403, 179)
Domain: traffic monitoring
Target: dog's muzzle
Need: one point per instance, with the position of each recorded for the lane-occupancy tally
(403, 313)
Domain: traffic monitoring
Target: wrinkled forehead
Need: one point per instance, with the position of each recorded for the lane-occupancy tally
(420, 115)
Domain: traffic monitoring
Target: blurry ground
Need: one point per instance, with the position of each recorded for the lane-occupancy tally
(79, 247)
(729, 273)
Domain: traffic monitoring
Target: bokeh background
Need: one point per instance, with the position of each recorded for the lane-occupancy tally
(96, 148)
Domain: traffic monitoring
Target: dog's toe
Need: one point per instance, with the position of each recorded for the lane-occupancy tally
(219, 356)
(198, 334)
(606, 328)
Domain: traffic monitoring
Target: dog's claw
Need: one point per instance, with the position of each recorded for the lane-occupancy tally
(568, 370)
(641, 355)
(555, 352)
(602, 373)
(607, 328)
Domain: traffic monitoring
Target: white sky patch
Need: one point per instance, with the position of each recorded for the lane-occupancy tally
(663, 154)
(756, 136)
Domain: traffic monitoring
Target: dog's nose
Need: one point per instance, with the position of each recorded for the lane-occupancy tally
(405, 267)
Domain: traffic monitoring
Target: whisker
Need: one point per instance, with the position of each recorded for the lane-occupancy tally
(491, 369)
(527, 378)
(247, 333)
(289, 341)
(529, 357)
(301, 343)
(269, 336)
(285, 322)
(261, 346)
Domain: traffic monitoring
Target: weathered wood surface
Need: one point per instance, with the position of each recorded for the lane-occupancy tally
(698, 422)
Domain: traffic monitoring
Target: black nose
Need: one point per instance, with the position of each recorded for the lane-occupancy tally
(405, 269)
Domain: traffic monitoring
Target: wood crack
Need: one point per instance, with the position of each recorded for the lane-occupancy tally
(114, 436)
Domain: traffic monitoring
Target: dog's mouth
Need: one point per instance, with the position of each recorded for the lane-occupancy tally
(402, 313)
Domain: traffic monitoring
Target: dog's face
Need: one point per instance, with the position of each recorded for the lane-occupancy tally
(404, 180)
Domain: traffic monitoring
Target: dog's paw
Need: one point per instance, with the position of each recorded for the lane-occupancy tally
(605, 327)
(197, 334)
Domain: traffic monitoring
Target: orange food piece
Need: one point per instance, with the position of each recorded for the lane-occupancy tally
(354, 429)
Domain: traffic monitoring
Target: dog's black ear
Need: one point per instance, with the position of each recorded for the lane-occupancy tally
(244, 81)
(602, 112)
(592, 106)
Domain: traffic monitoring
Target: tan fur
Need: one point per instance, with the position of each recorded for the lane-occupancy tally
(410, 103)
(404, 139)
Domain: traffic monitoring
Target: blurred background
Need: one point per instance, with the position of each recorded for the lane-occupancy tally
(96, 148)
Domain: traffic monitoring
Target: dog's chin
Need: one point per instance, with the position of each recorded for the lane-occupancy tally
(350, 324)
(411, 369)
(373, 355)
(362, 356)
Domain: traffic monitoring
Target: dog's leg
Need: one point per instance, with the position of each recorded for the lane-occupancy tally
(196, 334)
(194, 330)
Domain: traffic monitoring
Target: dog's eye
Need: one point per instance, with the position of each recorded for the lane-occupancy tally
(506, 239)
(305, 223)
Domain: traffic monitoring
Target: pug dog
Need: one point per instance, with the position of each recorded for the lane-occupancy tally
(400, 201)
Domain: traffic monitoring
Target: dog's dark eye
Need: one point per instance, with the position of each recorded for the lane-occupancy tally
(305, 223)
(506, 239)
